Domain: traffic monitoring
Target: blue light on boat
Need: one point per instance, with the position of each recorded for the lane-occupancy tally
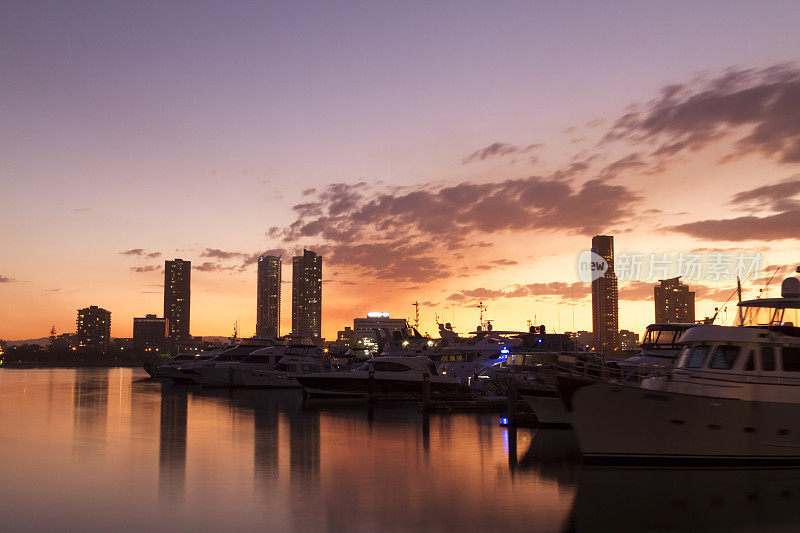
(504, 421)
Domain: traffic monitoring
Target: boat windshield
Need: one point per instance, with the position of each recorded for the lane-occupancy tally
(768, 316)
(663, 335)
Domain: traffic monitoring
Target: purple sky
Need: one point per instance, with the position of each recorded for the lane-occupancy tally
(180, 127)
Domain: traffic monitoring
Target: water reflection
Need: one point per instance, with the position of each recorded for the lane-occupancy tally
(159, 456)
(172, 442)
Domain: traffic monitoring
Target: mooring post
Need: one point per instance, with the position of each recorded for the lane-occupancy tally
(371, 389)
(512, 406)
(426, 389)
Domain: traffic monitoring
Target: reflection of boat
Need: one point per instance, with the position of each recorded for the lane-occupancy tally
(734, 395)
(382, 376)
(686, 500)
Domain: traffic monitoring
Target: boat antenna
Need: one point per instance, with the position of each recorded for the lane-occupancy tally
(416, 315)
(739, 292)
(761, 292)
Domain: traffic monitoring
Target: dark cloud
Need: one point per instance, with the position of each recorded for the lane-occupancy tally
(564, 291)
(4, 279)
(632, 161)
(498, 150)
(153, 255)
(688, 117)
(80, 210)
(785, 224)
(504, 262)
(216, 253)
(636, 291)
(307, 192)
(52, 290)
(134, 251)
(145, 268)
(209, 266)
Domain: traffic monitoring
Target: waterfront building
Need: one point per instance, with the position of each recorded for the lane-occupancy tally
(605, 299)
(674, 301)
(93, 327)
(628, 340)
(177, 297)
(364, 328)
(150, 334)
(584, 339)
(307, 294)
(268, 295)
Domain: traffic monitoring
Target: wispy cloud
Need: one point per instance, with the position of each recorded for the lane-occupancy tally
(498, 149)
(4, 279)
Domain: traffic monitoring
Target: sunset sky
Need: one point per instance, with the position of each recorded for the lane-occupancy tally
(440, 152)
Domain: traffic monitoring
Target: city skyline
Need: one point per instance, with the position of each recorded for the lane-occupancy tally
(470, 163)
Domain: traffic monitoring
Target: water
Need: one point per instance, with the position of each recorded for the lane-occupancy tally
(91, 450)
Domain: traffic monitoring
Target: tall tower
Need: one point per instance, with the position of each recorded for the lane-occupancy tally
(307, 294)
(177, 294)
(605, 299)
(674, 301)
(268, 296)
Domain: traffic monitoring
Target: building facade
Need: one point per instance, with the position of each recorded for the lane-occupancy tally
(150, 334)
(605, 299)
(93, 328)
(307, 294)
(674, 301)
(268, 295)
(628, 340)
(177, 298)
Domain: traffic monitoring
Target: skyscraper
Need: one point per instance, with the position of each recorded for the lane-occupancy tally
(674, 301)
(605, 299)
(307, 294)
(150, 334)
(93, 327)
(268, 295)
(177, 294)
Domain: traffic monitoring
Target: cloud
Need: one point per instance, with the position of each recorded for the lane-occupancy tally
(216, 253)
(80, 210)
(145, 268)
(134, 251)
(4, 279)
(504, 262)
(564, 291)
(498, 150)
(784, 224)
(153, 255)
(52, 290)
(760, 106)
(209, 266)
(636, 291)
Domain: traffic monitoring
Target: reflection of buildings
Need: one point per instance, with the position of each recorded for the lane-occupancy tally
(150, 334)
(605, 299)
(265, 442)
(304, 452)
(172, 443)
(674, 301)
(90, 404)
(177, 297)
(93, 327)
(307, 294)
(268, 295)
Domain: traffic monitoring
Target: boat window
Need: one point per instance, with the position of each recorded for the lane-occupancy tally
(724, 357)
(697, 356)
(768, 359)
(750, 364)
(791, 359)
(389, 366)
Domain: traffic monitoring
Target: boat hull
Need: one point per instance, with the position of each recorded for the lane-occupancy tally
(546, 404)
(266, 380)
(627, 424)
(349, 386)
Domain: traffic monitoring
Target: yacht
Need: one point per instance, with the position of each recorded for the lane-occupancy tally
(294, 363)
(168, 367)
(658, 350)
(384, 376)
(733, 396)
(190, 372)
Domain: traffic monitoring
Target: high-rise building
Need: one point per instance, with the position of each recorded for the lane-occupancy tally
(93, 327)
(307, 294)
(674, 301)
(150, 334)
(177, 294)
(268, 296)
(605, 299)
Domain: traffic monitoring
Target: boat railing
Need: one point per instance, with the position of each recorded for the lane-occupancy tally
(610, 370)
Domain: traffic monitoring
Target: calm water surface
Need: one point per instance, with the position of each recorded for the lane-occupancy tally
(91, 450)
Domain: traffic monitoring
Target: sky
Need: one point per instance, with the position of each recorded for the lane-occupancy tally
(446, 153)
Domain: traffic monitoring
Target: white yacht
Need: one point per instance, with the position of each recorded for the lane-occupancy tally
(190, 372)
(230, 373)
(391, 376)
(733, 395)
(169, 367)
(295, 362)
